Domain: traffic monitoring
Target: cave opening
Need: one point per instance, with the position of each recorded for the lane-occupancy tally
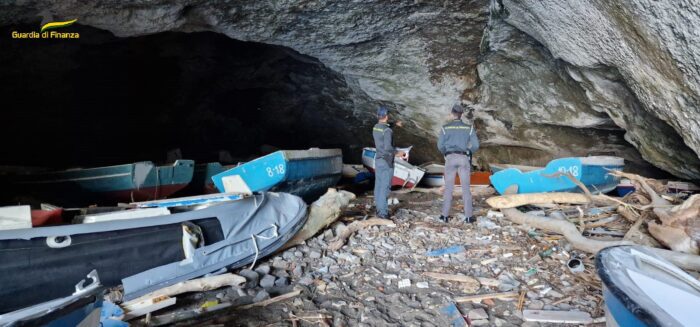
(104, 100)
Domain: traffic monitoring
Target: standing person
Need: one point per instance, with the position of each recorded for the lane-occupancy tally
(383, 161)
(457, 142)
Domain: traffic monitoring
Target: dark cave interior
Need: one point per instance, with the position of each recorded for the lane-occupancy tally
(103, 100)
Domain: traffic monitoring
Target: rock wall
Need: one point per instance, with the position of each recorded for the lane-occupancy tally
(548, 78)
(639, 62)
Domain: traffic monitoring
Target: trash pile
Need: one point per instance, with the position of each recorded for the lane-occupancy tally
(269, 258)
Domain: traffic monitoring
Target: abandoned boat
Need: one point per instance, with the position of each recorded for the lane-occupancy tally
(435, 176)
(591, 171)
(306, 173)
(406, 175)
(139, 181)
(144, 254)
(643, 289)
(202, 182)
(496, 167)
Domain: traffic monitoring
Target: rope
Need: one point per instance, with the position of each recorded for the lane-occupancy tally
(255, 243)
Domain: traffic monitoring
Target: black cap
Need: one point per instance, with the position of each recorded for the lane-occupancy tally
(457, 108)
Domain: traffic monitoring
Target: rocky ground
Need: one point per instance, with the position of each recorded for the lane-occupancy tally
(377, 278)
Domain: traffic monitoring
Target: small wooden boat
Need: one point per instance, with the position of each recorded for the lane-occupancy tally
(139, 181)
(642, 289)
(146, 253)
(201, 179)
(591, 171)
(351, 171)
(306, 173)
(406, 175)
(435, 176)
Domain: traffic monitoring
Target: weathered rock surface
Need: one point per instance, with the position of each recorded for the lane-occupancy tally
(637, 60)
(554, 78)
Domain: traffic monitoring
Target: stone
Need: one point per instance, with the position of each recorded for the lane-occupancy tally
(535, 305)
(280, 273)
(298, 271)
(250, 276)
(261, 296)
(478, 314)
(314, 254)
(280, 263)
(306, 281)
(267, 281)
(480, 322)
(422, 285)
(282, 281)
(263, 270)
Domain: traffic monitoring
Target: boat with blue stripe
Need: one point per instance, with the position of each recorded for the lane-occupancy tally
(305, 173)
(140, 181)
(592, 171)
(643, 289)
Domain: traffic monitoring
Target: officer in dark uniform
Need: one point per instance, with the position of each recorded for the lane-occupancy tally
(457, 142)
(384, 161)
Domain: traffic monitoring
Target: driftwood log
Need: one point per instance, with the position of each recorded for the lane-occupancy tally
(339, 240)
(680, 225)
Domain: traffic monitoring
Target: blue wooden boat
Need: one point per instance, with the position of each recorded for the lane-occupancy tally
(642, 289)
(139, 181)
(306, 173)
(201, 179)
(591, 171)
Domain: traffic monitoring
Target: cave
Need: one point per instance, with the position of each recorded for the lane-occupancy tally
(104, 100)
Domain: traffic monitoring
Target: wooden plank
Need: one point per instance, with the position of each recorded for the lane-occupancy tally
(142, 308)
(560, 317)
(451, 277)
(479, 297)
(194, 285)
(272, 300)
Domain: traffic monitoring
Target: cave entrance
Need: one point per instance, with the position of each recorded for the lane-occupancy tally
(103, 100)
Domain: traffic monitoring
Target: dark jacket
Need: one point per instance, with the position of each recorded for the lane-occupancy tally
(383, 142)
(456, 136)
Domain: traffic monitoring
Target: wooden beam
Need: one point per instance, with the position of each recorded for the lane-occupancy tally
(479, 297)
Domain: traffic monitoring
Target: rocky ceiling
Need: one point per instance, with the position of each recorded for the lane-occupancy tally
(548, 78)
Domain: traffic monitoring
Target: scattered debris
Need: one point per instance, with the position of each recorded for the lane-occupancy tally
(561, 317)
(443, 251)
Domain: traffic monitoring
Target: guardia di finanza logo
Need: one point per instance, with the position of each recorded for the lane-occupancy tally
(48, 31)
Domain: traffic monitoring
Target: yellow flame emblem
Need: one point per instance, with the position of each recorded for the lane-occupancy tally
(55, 25)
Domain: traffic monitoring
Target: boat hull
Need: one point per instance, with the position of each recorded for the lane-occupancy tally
(305, 173)
(140, 181)
(642, 289)
(143, 254)
(591, 171)
(405, 175)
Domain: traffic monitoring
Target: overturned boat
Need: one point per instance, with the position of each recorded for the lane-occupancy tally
(144, 253)
(592, 171)
(306, 173)
(406, 175)
(138, 181)
(643, 289)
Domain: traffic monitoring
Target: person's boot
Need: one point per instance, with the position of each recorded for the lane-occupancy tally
(470, 220)
(444, 219)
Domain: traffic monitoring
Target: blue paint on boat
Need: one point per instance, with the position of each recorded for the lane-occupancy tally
(643, 289)
(120, 183)
(190, 200)
(306, 173)
(591, 171)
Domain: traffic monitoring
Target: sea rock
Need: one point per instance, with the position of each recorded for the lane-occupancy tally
(267, 281)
